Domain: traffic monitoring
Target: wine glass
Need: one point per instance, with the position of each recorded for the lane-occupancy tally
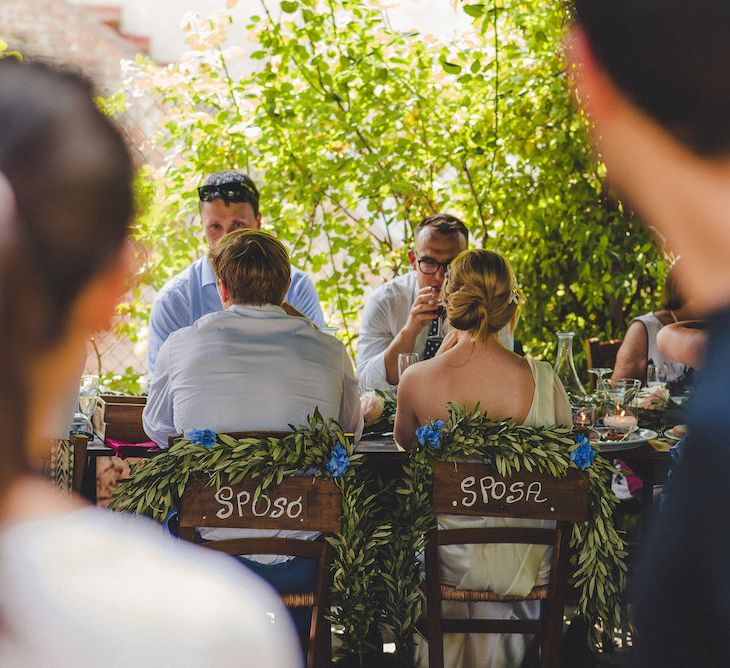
(88, 398)
(600, 373)
(405, 360)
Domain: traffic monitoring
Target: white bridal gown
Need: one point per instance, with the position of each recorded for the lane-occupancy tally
(503, 568)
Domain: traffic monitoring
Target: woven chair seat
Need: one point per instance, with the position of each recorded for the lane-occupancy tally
(298, 600)
(451, 593)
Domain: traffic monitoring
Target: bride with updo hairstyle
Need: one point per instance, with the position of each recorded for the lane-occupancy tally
(481, 297)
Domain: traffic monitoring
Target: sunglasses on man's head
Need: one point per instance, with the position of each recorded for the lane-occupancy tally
(231, 192)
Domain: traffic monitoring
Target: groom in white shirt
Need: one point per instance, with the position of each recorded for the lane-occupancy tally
(250, 366)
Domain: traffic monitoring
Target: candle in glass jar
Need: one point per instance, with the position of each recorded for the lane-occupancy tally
(621, 422)
(583, 416)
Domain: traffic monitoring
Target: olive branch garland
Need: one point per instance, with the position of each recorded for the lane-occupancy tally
(154, 488)
(601, 572)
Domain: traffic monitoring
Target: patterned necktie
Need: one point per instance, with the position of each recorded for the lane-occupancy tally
(432, 343)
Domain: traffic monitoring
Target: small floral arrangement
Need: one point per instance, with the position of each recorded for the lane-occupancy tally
(582, 453)
(431, 434)
(372, 405)
(204, 437)
(378, 409)
(654, 398)
(339, 461)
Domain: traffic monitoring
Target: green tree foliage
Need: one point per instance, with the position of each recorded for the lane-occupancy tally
(6, 53)
(355, 132)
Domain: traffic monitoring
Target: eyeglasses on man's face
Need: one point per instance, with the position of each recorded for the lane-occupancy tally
(429, 266)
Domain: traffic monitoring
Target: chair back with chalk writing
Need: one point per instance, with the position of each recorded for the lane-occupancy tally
(479, 490)
(298, 503)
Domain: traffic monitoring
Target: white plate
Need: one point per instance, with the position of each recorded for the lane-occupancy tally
(634, 440)
(670, 436)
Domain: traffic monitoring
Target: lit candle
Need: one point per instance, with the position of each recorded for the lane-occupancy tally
(581, 419)
(620, 422)
(583, 416)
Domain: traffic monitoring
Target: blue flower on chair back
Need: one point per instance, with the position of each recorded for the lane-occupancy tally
(583, 453)
(431, 434)
(339, 461)
(204, 437)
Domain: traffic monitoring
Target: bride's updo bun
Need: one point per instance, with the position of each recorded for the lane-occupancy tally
(480, 293)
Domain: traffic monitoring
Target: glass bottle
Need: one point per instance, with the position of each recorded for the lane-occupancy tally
(565, 368)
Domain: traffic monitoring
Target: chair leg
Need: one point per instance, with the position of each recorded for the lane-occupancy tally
(433, 604)
(319, 653)
(552, 610)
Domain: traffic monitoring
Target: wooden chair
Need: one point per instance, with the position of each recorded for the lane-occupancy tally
(79, 443)
(602, 353)
(478, 490)
(302, 504)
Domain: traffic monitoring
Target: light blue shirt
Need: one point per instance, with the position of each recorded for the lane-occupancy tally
(193, 293)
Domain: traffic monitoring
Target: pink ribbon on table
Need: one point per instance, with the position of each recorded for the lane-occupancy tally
(633, 482)
(124, 449)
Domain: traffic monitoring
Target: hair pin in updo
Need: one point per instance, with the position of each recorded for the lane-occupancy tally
(516, 296)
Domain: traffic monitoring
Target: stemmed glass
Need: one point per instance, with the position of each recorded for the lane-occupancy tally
(405, 360)
(88, 398)
(599, 373)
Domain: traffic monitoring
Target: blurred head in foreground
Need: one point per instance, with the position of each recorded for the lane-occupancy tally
(65, 209)
(654, 78)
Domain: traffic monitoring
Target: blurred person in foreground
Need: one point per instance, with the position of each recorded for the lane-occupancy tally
(481, 299)
(74, 576)
(654, 78)
(229, 201)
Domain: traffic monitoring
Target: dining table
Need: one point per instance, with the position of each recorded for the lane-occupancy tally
(383, 457)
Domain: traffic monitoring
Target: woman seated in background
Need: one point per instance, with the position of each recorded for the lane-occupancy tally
(684, 342)
(480, 297)
(74, 577)
(639, 347)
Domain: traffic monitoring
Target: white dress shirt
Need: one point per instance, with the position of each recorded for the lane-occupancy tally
(250, 368)
(193, 293)
(385, 314)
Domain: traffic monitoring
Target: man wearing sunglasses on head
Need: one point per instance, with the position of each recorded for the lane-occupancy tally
(401, 316)
(229, 200)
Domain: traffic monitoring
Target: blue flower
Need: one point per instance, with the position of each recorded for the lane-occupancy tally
(431, 434)
(583, 453)
(339, 461)
(204, 437)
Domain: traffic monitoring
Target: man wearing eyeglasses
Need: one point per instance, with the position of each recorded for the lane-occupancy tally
(400, 315)
(229, 200)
